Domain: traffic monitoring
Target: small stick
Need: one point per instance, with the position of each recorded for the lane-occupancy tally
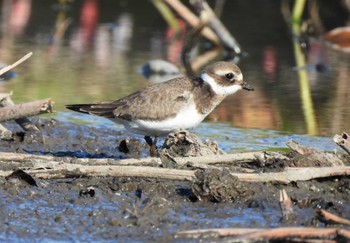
(295, 174)
(330, 218)
(296, 147)
(343, 141)
(9, 67)
(283, 233)
(286, 205)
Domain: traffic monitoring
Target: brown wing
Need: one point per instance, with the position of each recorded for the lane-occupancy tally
(156, 101)
(151, 103)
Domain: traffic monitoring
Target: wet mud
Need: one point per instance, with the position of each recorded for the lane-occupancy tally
(139, 209)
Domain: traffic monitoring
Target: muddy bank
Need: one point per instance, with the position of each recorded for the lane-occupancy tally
(110, 208)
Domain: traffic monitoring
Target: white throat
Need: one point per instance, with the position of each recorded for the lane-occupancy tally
(218, 89)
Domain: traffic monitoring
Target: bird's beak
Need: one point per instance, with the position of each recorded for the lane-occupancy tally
(246, 86)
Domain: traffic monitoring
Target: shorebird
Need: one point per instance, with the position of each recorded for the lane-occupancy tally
(180, 103)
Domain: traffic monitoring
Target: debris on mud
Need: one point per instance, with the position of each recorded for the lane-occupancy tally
(218, 185)
(186, 144)
(100, 192)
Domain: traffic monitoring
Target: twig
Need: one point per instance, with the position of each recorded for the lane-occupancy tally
(271, 234)
(286, 205)
(25, 110)
(330, 218)
(343, 141)
(9, 67)
(296, 147)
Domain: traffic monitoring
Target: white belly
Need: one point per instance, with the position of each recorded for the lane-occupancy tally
(185, 119)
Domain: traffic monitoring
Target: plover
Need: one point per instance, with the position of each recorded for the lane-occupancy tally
(180, 103)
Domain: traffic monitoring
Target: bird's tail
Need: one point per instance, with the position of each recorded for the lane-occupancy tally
(101, 109)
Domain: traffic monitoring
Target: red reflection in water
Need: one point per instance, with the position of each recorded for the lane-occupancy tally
(87, 25)
(175, 42)
(16, 15)
(270, 63)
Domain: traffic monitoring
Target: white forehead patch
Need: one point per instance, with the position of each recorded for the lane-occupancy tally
(218, 89)
(224, 72)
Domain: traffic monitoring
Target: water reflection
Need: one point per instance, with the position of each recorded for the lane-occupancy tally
(88, 51)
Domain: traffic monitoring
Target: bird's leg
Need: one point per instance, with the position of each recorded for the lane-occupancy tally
(148, 140)
(153, 152)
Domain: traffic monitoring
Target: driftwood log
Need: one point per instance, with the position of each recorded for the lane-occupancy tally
(212, 160)
(55, 167)
(25, 110)
(24, 122)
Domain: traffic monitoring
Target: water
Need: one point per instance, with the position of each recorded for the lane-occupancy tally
(229, 138)
(91, 51)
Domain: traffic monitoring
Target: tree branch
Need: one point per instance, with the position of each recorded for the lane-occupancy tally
(25, 110)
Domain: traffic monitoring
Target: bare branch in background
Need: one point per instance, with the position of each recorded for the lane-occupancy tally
(192, 19)
(9, 67)
(227, 40)
(190, 42)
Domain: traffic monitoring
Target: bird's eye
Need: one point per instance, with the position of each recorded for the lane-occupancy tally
(229, 76)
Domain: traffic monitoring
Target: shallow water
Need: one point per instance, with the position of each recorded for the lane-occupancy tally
(230, 139)
(97, 54)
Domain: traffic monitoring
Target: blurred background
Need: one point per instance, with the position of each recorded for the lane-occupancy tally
(93, 50)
